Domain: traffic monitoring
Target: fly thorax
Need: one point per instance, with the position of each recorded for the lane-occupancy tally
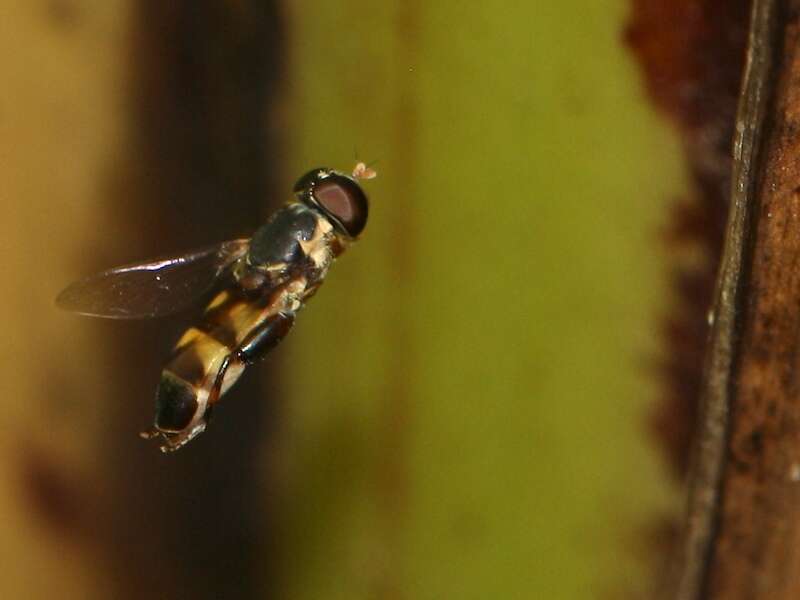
(277, 244)
(251, 278)
(319, 250)
(294, 294)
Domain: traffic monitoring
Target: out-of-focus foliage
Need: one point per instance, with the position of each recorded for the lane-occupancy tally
(470, 424)
(458, 413)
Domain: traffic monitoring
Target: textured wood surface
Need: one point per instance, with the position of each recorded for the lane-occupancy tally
(743, 525)
(755, 550)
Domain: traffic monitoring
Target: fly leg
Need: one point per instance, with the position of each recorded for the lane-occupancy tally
(173, 441)
(149, 434)
(254, 346)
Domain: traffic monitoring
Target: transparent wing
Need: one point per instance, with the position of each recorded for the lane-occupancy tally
(151, 289)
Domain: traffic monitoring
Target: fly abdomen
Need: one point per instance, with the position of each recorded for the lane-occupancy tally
(211, 356)
(266, 337)
(176, 403)
(182, 397)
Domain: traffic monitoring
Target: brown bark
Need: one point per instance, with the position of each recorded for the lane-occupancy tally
(755, 551)
(743, 530)
(691, 54)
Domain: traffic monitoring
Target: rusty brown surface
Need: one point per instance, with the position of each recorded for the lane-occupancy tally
(755, 548)
(744, 525)
(691, 53)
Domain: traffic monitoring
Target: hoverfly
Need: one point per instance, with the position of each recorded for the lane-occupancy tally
(267, 280)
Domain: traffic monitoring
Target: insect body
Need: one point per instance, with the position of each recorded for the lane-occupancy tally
(268, 279)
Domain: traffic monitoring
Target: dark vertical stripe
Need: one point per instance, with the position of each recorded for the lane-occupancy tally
(203, 78)
(396, 416)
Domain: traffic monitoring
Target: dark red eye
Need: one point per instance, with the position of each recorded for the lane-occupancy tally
(343, 200)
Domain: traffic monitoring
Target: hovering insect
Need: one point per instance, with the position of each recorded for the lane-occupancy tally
(267, 279)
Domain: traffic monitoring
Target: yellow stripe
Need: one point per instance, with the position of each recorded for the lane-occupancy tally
(192, 334)
(197, 358)
(218, 300)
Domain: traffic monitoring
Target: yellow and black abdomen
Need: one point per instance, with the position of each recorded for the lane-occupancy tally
(182, 394)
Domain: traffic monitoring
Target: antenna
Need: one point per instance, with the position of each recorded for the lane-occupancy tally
(362, 171)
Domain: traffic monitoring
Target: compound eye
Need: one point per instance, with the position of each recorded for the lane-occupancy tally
(309, 179)
(344, 200)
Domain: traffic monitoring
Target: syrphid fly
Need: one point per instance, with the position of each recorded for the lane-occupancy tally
(265, 281)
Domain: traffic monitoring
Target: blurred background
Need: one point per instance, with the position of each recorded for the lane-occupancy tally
(459, 413)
